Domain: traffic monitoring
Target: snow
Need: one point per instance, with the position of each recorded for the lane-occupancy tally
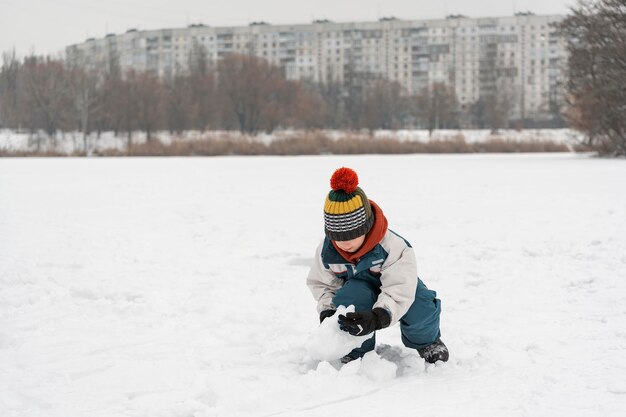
(329, 343)
(69, 142)
(176, 287)
(563, 135)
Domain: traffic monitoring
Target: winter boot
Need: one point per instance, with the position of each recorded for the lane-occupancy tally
(434, 352)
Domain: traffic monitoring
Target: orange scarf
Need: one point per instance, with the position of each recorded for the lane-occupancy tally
(373, 237)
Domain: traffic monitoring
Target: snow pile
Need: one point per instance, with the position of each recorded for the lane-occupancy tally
(328, 342)
(376, 368)
(373, 366)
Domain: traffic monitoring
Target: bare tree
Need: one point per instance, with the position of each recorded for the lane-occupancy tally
(352, 92)
(382, 105)
(86, 90)
(178, 102)
(202, 85)
(493, 110)
(310, 109)
(437, 107)
(10, 114)
(47, 94)
(251, 88)
(332, 104)
(127, 109)
(596, 41)
(280, 108)
(148, 101)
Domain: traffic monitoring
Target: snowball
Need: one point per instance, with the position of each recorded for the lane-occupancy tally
(328, 342)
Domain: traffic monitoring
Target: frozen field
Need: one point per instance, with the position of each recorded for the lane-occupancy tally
(176, 287)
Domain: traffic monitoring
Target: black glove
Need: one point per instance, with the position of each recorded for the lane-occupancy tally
(364, 322)
(325, 314)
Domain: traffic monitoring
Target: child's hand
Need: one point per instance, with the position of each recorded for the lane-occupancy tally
(364, 322)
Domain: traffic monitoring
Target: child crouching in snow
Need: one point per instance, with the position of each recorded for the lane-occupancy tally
(362, 263)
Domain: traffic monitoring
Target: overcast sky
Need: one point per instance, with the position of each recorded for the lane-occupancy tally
(47, 26)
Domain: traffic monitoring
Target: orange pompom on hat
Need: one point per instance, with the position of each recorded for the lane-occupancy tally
(347, 211)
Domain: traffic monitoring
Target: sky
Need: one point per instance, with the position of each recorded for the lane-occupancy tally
(47, 26)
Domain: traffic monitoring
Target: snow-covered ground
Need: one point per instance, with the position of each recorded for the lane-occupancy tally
(176, 287)
(74, 142)
(567, 136)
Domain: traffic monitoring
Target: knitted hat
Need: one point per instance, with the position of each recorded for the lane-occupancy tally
(347, 211)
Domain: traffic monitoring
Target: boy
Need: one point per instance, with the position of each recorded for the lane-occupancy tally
(361, 262)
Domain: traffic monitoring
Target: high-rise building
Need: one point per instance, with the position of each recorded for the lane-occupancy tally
(519, 58)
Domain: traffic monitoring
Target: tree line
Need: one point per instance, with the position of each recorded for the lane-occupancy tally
(249, 94)
(241, 92)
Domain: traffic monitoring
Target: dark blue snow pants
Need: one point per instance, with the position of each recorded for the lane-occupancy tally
(419, 326)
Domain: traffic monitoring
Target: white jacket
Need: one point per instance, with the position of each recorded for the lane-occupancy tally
(392, 261)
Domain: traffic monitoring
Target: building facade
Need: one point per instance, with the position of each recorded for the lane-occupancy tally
(518, 56)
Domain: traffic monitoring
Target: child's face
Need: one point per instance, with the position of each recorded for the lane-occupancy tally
(350, 245)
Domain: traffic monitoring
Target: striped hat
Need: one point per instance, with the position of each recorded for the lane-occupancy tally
(347, 211)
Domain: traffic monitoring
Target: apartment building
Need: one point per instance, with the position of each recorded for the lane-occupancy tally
(517, 56)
